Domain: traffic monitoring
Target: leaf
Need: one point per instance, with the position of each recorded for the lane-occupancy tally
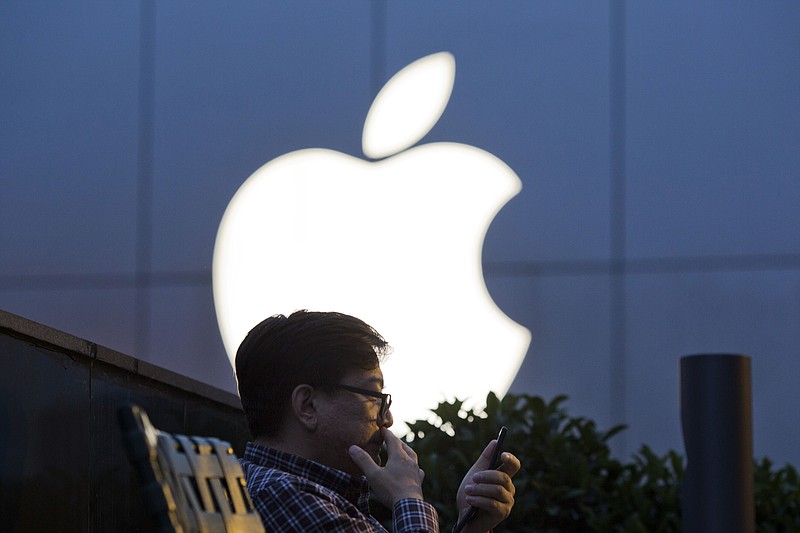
(409, 105)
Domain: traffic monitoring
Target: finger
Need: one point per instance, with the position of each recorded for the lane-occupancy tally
(409, 450)
(510, 464)
(500, 508)
(396, 447)
(483, 461)
(363, 460)
(486, 456)
(492, 484)
(392, 442)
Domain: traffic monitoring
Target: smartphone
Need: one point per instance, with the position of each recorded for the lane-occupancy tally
(492, 465)
(497, 449)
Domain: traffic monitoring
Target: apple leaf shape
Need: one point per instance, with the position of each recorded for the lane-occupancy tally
(409, 105)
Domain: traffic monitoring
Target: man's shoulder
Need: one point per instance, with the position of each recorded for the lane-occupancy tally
(268, 480)
(261, 477)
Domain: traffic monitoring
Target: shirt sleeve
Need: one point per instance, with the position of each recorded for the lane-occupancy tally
(414, 516)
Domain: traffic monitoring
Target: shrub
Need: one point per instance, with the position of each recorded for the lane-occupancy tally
(777, 495)
(569, 479)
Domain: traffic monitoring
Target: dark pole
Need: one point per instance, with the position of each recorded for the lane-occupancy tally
(716, 415)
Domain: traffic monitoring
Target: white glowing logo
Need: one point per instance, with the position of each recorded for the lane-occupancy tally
(395, 242)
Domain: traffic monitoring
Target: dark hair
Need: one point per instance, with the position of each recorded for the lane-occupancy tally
(307, 347)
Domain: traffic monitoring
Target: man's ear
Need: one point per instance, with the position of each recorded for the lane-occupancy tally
(304, 407)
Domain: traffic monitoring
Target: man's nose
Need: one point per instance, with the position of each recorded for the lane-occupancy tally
(388, 419)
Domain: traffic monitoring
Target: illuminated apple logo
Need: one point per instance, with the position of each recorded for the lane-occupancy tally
(396, 242)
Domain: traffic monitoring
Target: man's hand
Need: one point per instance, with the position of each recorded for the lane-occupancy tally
(490, 491)
(400, 478)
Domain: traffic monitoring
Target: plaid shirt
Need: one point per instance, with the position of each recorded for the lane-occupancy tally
(294, 494)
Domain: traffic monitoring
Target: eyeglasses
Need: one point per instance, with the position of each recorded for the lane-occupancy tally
(386, 399)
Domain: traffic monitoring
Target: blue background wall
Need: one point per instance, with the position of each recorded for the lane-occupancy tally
(658, 145)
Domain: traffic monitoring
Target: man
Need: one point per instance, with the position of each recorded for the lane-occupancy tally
(311, 387)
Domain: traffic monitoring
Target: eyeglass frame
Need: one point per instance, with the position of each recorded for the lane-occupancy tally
(386, 399)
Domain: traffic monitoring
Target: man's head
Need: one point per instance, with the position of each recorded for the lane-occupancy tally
(307, 353)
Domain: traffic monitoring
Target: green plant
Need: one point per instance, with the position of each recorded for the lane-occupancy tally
(777, 494)
(569, 479)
